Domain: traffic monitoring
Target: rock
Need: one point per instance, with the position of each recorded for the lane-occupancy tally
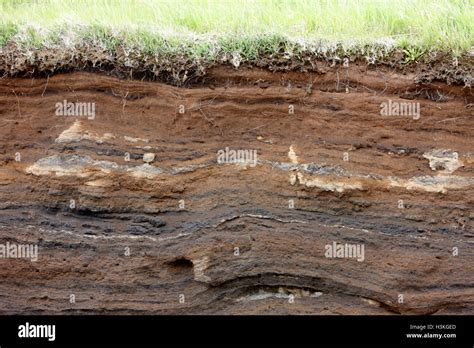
(446, 161)
(148, 157)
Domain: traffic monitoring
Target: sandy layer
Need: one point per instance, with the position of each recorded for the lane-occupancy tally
(213, 236)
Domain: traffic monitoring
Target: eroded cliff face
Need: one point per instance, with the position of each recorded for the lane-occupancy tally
(340, 204)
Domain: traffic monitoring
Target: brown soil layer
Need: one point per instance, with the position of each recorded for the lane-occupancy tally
(345, 167)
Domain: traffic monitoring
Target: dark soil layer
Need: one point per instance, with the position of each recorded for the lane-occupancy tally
(182, 68)
(343, 165)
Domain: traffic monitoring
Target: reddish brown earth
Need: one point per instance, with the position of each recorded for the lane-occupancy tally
(344, 166)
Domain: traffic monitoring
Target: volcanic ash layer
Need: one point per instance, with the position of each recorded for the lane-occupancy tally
(253, 193)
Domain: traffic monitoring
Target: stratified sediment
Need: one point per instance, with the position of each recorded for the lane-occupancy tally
(185, 233)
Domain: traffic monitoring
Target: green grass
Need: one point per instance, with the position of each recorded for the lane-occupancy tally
(203, 29)
(441, 23)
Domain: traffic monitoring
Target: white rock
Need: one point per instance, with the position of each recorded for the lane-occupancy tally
(446, 161)
(149, 157)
